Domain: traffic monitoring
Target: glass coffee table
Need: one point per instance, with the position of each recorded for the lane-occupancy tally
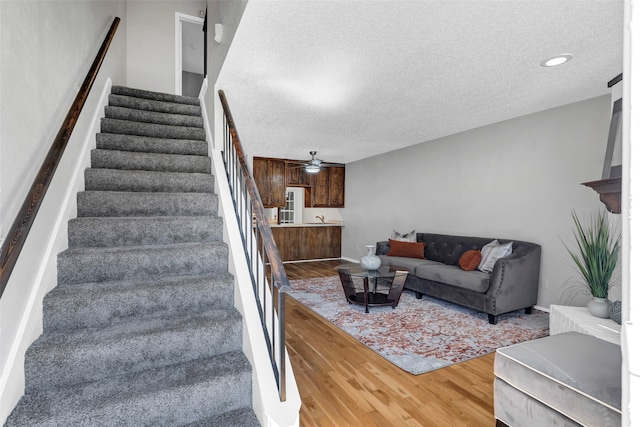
(381, 287)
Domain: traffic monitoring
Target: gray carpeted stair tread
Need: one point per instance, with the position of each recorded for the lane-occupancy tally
(243, 417)
(147, 181)
(151, 105)
(108, 125)
(138, 231)
(82, 265)
(150, 342)
(141, 329)
(157, 96)
(127, 160)
(168, 396)
(116, 203)
(122, 142)
(87, 305)
(124, 113)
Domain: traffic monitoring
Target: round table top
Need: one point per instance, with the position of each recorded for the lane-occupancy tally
(384, 271)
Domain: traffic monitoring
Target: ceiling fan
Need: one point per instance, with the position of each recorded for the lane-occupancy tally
(314, 165)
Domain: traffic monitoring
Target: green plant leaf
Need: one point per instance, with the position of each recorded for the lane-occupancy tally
(596, 257)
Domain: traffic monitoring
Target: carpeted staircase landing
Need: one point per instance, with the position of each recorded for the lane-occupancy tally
(141, 329)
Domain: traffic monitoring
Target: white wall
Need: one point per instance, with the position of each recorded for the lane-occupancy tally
(631, 229)
(518, 179)
(46, 49)
(151, 42)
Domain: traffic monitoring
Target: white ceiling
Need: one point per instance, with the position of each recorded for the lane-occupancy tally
(353, 79)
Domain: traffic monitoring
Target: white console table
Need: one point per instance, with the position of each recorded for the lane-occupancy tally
(564, 318)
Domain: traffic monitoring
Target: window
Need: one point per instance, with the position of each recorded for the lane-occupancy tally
(292, 211)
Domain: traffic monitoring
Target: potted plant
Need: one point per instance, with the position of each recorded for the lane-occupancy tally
(596, 257)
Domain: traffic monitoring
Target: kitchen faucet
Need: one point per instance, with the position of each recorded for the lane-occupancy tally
(321, 218)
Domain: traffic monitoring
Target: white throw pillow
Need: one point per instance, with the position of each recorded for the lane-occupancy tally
(486, 248)
(494, 253)
(409, 237)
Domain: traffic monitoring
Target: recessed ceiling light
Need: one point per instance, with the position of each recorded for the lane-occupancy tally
(556, 60)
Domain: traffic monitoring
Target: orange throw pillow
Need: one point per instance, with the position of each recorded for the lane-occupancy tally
(406, 249)
(470, 260)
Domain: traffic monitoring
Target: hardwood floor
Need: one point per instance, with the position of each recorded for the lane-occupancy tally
(344, 383)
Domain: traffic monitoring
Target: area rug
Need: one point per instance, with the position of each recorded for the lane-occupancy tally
(419, 335)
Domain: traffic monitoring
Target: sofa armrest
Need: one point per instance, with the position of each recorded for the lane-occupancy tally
(514, 281)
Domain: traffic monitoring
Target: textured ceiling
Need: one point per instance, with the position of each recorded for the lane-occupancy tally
(353, 79)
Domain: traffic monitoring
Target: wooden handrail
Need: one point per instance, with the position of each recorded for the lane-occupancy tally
(19, 231)
(262, 223)
(260, 248)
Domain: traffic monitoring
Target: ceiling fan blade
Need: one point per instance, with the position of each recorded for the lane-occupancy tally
(332, 165)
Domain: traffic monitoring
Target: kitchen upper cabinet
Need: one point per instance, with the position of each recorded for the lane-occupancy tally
(269, 175)
(327, 189)
(296, 176)
(336, 187)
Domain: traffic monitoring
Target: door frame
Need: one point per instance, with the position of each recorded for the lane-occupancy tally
(180, 18)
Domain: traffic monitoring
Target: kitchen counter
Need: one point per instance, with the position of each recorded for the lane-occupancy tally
(310, 224)
(308, 241)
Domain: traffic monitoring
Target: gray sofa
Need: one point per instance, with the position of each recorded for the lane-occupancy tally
(513, 284)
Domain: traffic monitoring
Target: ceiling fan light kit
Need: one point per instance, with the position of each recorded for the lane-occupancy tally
(315, 165)
(312, 168)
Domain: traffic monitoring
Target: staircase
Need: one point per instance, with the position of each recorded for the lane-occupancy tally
(141, 329)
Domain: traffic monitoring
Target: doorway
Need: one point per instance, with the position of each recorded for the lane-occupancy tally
(190, 54)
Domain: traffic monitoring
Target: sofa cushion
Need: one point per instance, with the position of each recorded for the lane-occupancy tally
(487, 248)
(409, 237)
(406, 249)
(470, 260)
(448, 249)
(409, 264)
(576, 374)
(475, 280)
(494, 254)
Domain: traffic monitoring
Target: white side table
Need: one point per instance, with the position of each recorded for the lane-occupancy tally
(564, 318)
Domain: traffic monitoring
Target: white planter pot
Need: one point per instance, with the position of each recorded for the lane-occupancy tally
(599, 307)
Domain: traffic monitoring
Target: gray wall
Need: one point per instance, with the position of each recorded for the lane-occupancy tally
(46, 48)
(518, 179)
(151, 49)
(191, 83)
(229, 14)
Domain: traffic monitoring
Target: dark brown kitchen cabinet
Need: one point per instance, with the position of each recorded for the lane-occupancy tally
(321, 242)
(269, 175)
(304, 243)
(327, 189)
(336, 187)
(296, 175)
(288, 242)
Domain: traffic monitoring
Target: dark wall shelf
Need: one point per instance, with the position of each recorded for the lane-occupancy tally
(609, 191)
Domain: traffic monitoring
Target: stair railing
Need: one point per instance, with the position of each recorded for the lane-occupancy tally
(270, 281)
(17, 235)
